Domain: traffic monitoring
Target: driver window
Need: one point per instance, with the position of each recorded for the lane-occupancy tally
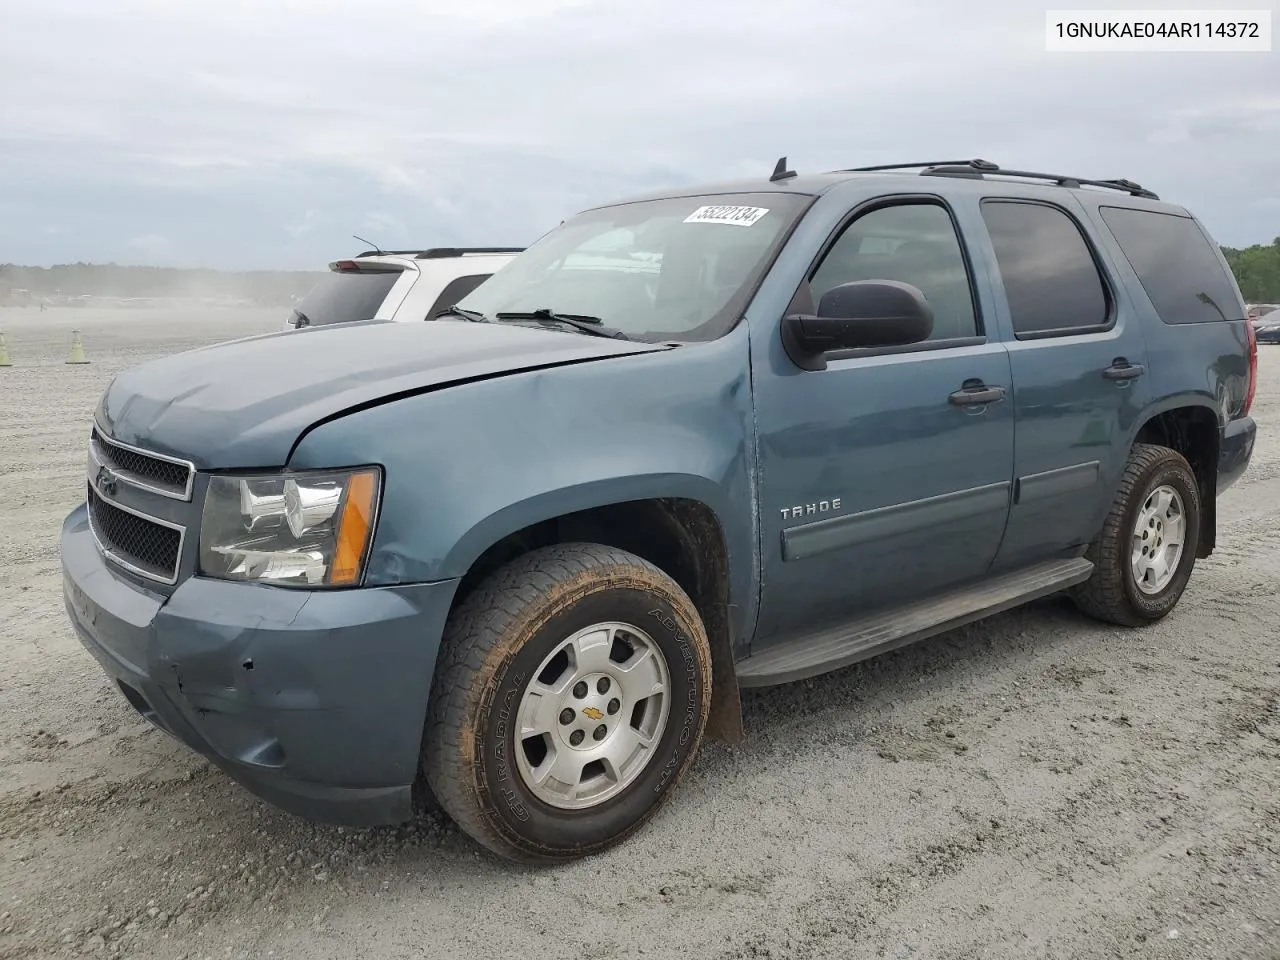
(911, 243)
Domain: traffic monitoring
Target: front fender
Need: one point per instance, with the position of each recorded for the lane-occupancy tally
(471, 463)
(552, 501)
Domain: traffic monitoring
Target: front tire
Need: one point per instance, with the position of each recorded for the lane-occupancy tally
(1146, 551)
(571, 696)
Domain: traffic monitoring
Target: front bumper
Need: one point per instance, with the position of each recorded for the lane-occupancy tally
(313, 700)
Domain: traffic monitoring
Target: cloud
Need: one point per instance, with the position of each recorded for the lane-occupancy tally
(255, 134)
(151, 246)
(304, 226)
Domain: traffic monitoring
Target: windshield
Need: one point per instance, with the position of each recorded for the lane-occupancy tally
(341, 297)
(669, 269)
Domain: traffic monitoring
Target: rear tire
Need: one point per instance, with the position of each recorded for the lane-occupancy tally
(573, 690)
(1146, 550)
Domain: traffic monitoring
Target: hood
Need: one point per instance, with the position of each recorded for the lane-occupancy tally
(244, 403)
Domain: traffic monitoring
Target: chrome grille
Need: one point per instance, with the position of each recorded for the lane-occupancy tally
(167, 476)
(149, 547)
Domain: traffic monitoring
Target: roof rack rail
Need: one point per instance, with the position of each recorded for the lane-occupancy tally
(438, 253)
(1126, 186)
(975, 164)
(977, 168)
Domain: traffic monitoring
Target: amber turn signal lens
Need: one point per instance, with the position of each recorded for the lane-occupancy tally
(354, 528)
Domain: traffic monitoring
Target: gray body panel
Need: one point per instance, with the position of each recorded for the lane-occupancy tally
(244, 403)
(674, 423)
(283, 689)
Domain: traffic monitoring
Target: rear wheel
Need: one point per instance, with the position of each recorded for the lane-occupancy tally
(1144, 555)
(573, 691)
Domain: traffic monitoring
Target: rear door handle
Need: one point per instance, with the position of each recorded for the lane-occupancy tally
(975, 392)
(1122, 369)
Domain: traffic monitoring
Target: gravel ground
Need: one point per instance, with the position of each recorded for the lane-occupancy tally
(1033, 786)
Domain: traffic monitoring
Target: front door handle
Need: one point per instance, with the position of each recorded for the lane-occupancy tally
(975, 392)
(1122, 369)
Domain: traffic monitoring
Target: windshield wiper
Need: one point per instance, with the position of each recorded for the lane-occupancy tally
(474, 316)
(587, 324)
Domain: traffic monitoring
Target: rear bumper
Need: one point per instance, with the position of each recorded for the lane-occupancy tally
(1237, 449)
(313, 700)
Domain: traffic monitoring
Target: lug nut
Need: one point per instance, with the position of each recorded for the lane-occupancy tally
(602, 685)
(580, 689)
(614, 706)
(600, 731)
(566, 716)
(576, 737)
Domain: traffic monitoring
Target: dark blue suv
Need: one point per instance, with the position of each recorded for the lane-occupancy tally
(517, 561)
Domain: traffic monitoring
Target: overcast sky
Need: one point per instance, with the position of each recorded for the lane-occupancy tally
(264, 134)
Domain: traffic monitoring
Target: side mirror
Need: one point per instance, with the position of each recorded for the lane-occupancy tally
(864, 313)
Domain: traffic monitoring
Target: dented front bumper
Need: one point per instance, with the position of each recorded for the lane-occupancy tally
(313, 700)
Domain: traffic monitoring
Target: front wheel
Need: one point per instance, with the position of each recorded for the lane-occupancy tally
(1144, 555)
(573, 691)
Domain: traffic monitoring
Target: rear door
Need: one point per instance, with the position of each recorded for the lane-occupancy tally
(1079, 363)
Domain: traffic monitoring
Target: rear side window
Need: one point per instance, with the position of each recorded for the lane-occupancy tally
(1050, 276)
(455, 290)
(344, 297)
(1176, 264)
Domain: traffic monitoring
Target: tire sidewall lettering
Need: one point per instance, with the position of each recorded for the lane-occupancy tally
(690, 723)
(502, 770)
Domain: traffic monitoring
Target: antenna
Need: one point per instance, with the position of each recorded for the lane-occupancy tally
(780, 172)
(376, 249)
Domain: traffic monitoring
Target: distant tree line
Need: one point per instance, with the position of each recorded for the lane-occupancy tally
(1257, 270)
(268, 287)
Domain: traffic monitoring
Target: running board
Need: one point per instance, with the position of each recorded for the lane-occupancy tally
(871, 636)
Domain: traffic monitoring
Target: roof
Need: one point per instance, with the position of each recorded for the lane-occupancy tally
(905, 178)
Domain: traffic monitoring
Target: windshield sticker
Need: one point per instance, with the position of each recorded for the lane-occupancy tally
(736, 216)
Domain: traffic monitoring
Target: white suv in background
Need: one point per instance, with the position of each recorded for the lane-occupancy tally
(402, 285)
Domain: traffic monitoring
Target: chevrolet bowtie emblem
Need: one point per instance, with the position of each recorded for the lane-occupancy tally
(106, 481)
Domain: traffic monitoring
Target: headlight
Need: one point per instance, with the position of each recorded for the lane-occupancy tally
(293, 529)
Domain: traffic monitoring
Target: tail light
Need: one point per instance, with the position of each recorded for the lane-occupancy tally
(1253, 367)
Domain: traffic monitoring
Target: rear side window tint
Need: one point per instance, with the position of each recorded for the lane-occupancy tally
(344, 297)
(1176, 264)
(455, 290)
(1050, 276)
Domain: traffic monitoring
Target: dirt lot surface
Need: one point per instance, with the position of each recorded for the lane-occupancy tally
(1033, 786)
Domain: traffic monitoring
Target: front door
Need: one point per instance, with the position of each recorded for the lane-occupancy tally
(880, 478)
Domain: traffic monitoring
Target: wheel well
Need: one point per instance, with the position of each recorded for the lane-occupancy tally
(1193, 432)
(681, 537)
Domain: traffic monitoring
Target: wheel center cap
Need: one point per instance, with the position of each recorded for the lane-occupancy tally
(588, 710)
